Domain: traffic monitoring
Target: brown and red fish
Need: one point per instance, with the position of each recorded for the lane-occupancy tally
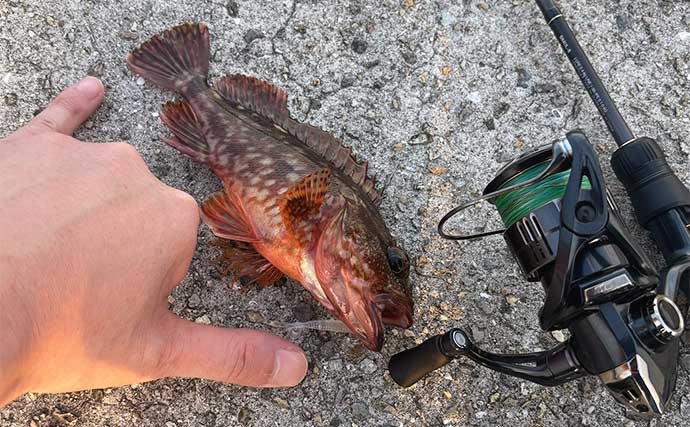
(295, 201)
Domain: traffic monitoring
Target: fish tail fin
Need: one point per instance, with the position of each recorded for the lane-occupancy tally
(174, 58)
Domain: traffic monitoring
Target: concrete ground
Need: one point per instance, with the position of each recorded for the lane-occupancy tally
(436, 95)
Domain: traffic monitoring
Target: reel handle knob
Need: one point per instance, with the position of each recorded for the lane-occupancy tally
(409, 366)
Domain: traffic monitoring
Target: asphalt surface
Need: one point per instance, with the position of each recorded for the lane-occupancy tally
(437, 95)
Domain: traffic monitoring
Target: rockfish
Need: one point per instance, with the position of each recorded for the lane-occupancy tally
(295, 201)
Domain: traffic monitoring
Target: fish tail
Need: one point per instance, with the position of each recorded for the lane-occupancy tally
(174, 58)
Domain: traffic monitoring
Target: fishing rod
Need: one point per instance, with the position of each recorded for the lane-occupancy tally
(588, 75)
(660, 200)
(564, 229)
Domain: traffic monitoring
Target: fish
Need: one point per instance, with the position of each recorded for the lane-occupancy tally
(295, 201)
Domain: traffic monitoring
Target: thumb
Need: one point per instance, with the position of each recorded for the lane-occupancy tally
(237, 356)
(71, 107)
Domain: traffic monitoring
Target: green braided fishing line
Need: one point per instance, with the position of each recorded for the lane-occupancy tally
(517, 204)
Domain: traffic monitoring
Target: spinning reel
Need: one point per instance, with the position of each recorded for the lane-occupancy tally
(564, 229)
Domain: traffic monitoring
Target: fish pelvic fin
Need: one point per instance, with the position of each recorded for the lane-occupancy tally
(227, 218)
(246, 263)
(302, 201)
(189, 138)
(173, 58)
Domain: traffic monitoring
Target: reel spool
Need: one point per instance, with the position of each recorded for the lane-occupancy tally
(526, 194)
(531, 214)
(563, 229)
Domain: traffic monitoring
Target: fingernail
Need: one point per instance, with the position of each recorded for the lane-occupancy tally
(90, 87)
(290, 368)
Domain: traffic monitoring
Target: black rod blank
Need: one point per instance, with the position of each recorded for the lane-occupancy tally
(578, 58)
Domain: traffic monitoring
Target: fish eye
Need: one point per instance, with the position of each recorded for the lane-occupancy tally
(397, 260)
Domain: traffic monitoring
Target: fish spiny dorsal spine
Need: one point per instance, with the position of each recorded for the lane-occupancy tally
(271, 102)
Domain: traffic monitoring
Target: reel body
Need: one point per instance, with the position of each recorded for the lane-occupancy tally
(597, 282)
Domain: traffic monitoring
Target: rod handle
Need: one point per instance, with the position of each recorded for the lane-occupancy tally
(660, 199)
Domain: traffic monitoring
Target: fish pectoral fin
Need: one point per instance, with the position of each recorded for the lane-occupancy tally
(302, 201)
(245, 262)
(189, 137)
(226, 217)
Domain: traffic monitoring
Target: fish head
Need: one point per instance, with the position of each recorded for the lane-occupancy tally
(363, 273)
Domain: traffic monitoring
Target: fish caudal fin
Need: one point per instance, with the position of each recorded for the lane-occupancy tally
(173, 58)
(189, 137)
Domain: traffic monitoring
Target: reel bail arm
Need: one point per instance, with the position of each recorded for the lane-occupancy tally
(561, 151)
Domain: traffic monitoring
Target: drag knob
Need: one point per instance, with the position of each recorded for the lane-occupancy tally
(657, 320)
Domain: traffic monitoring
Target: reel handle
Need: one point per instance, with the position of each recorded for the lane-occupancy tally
(550, 367)
(409, 366)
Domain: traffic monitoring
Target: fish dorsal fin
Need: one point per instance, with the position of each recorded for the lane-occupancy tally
(302, 201)
(270, 102)
(226, 217)
(255, 95)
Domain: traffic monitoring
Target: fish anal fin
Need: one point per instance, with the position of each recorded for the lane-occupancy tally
(270, 101)
(189, 137)
(226, 217)
(303, 200)
(245, 262)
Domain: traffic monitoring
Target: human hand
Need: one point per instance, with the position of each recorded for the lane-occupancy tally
(91, 246)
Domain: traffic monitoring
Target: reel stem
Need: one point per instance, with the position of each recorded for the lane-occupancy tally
(578, 58)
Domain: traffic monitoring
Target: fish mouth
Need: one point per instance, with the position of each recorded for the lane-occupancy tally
(367, 323)
(396, 310)
(368, 318)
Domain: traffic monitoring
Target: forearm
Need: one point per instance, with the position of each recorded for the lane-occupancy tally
(14, 340)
